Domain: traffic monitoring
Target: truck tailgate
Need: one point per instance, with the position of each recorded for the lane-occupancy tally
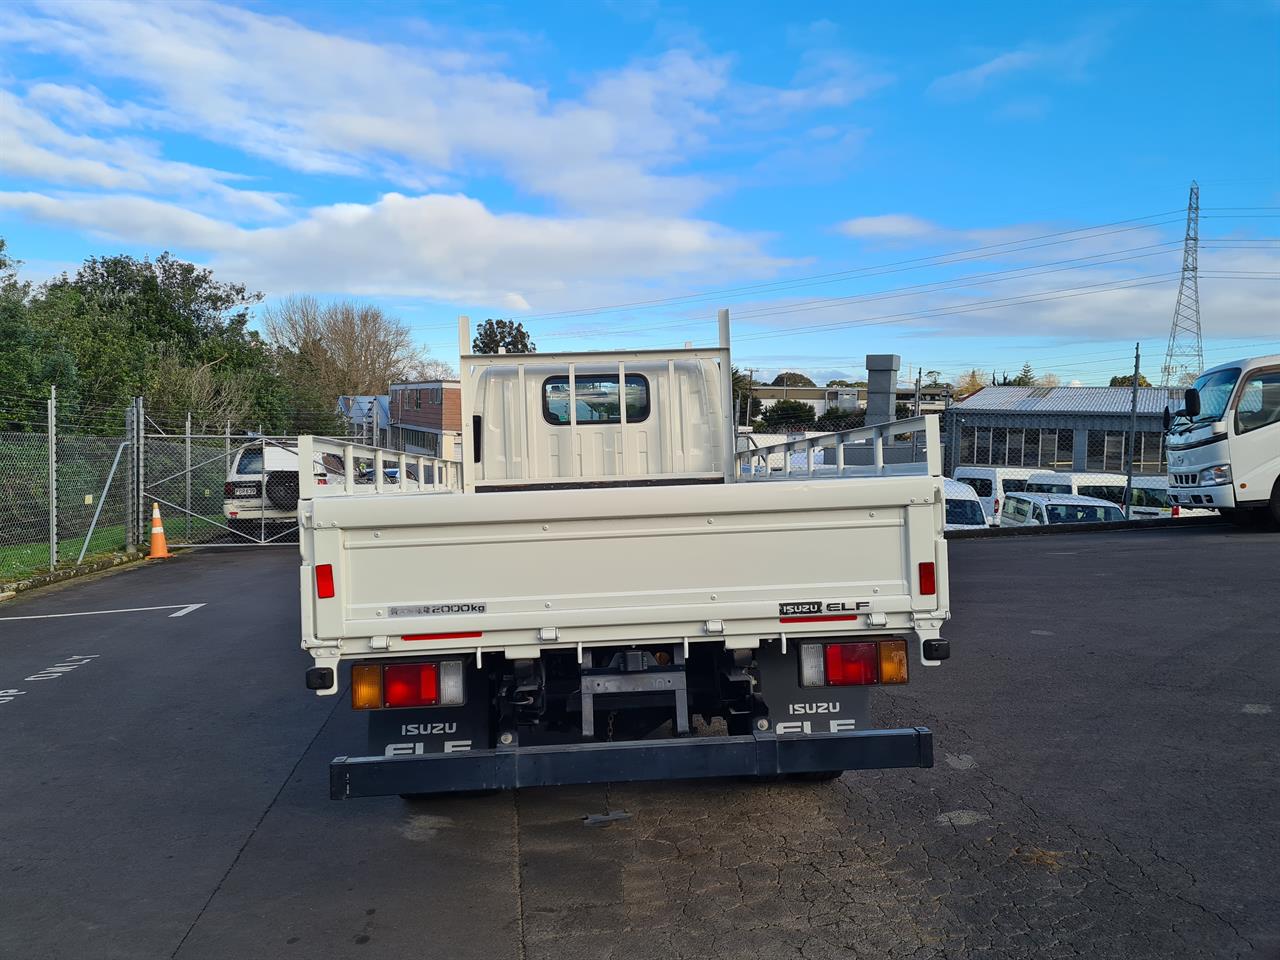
(522, 571)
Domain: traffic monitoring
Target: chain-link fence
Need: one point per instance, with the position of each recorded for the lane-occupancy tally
(62, 487)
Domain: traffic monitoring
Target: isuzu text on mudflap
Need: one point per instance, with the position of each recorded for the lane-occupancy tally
(609, 591)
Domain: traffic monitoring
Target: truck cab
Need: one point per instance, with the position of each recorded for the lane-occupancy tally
(1224, 445)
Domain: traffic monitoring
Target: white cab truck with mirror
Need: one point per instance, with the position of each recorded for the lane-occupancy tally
(610, 595)
(1223, 447)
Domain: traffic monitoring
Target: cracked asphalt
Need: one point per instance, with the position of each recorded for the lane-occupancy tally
(1108, 751)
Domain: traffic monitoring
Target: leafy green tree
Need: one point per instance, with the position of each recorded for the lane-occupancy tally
(492, 334)
(742, 388)
(1127, 381)
(791, 379)
(1025, 378)
(834, 418)
(789, 413)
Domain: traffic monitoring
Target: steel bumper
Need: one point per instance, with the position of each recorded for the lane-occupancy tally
(762, 754)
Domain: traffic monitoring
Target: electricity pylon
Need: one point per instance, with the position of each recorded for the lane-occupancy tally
(1184, 360)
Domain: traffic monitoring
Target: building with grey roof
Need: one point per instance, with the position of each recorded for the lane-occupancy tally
(1058, 428)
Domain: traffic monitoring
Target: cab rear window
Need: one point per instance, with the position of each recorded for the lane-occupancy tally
(595, 399)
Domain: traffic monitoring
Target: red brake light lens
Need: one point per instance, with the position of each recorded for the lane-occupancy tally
(851, 664)
(411, 684)
(928, 580)
(324, 581)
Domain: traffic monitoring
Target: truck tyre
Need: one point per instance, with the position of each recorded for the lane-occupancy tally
(1272, 510)
(282, 489)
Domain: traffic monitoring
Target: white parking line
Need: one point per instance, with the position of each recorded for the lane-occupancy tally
(182, 608)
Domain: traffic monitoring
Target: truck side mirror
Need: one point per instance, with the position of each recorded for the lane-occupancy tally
(1168, 419)
(1191, 403)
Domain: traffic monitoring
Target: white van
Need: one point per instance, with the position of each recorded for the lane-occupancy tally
(1048, 509)
(1150, 493)
(991, 484)
(964, 509)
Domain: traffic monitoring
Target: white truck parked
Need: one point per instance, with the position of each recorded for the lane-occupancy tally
(1224, 445)
(612, 596)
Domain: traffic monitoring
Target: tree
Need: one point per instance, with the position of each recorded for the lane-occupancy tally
(742, 389)
(212, 400)
(493, 334)
(970, 383)
(1127, 381)
(348, 347)
(790, 379)
(835, 418)
(1025, 378)
(429, 368)
(839, 383)
(1048, 380)
(789, 413)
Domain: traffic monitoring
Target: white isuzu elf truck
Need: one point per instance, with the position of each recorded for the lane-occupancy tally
(1223, 447)
(607, 591)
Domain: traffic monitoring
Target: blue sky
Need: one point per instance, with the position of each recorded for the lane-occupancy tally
(966, 186)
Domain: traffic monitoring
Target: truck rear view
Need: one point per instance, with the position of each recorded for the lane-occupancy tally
(612, 592)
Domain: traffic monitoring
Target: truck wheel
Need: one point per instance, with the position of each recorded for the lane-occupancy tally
(282, 489)
(1273, 508)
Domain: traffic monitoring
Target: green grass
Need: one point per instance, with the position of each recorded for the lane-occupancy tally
(26, 559)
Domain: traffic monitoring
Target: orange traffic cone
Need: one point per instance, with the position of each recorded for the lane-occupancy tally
(159, 545)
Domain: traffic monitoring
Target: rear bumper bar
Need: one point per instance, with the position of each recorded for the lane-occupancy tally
(673, 759)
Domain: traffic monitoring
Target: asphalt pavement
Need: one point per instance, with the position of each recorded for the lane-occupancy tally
(1108, 749)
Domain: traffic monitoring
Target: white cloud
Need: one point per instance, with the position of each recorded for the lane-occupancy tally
(422, 118)
(442, 247)
(36, 148)
(1068, 58)
(889, 226)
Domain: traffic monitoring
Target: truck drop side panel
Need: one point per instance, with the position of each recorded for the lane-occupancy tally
(524, 571)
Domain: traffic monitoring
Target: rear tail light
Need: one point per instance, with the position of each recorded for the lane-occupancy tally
(928, 579)
(427, 684)
(366, 686)
(851, 664)
(860, 663)
(1176, 511)
(411, 685)
(995, 506)
(893, 661)
(228, 489)
(324, 581)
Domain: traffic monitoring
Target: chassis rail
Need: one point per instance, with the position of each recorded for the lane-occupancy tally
(761, 754)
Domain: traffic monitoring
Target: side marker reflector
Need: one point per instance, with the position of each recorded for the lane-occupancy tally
(928, 581)
(324, 581)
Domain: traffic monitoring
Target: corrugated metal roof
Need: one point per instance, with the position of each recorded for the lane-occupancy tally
(1151, 400)
(356, 408)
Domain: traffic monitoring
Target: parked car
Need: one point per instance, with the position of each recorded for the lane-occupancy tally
(964, 509)
(1150, 493)
(262, 485)
(992, 484)
(1040, 509)
(389, 474)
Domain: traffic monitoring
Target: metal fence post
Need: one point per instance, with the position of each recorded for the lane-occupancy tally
(1133, 432)
(130, 538)
(140, 507)
(52, 437)
(188, 465)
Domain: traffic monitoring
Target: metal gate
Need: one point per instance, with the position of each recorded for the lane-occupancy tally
(224, 489)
